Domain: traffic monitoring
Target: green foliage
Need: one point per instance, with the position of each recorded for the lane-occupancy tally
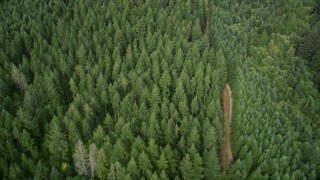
(274, 115)
(133, 89)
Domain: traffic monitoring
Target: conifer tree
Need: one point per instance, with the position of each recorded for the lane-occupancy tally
(80, 158)
(57, 143)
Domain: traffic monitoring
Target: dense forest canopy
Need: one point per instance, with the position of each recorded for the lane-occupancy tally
(134, 89)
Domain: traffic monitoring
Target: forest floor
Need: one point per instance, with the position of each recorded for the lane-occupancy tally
(226, 151)
(206, 28)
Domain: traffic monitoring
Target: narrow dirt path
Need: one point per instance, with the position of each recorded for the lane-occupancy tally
(226, 151)
(206, 28)
(226, 157)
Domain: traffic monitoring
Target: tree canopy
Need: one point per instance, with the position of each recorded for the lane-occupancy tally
(134, 89)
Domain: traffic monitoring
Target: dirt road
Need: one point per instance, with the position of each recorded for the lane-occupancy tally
(206, 28)
(226, 157)
(226, 151)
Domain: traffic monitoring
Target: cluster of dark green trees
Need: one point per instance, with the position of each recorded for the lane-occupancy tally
(309, 45)
(131, 89)
(275, 126)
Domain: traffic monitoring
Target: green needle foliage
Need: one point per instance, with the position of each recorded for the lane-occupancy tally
(132, 89)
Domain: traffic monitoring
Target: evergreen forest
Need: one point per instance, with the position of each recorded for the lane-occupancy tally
(160, 89)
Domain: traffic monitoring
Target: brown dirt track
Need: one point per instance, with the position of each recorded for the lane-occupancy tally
(226, 157)
(226, 151)
(206, 28)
